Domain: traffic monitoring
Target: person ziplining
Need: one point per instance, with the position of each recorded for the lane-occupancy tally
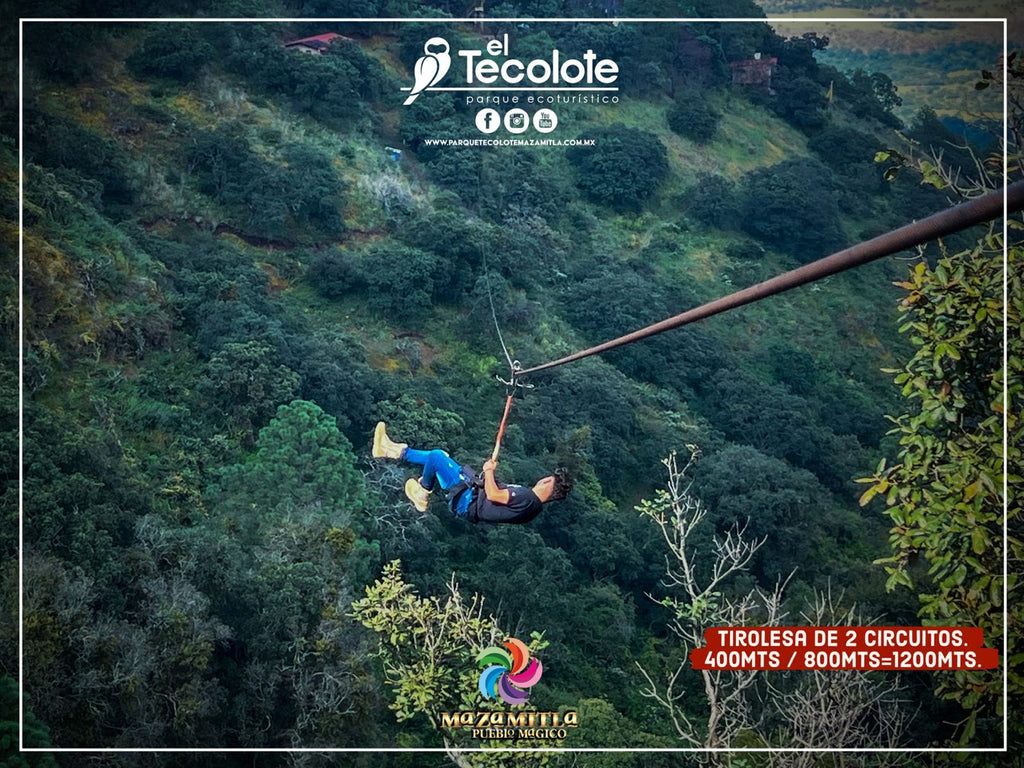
(471, 496)
(484, 499)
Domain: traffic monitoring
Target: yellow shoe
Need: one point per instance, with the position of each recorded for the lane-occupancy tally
(418, 495)
(383, 446)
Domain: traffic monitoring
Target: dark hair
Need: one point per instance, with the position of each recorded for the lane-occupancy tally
(563, 484)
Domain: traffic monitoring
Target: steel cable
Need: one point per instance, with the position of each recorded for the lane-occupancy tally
(941, 224)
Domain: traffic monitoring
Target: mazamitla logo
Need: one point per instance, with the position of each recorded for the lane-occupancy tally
(588, 78)
(508, 673)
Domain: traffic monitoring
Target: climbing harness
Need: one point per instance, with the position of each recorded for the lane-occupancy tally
(469, 479)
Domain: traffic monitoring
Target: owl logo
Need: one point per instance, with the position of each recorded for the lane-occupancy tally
(430, 67)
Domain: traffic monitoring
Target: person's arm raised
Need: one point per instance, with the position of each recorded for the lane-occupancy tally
(491, 490)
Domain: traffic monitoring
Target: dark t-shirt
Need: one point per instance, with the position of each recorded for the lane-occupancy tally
(523, 505)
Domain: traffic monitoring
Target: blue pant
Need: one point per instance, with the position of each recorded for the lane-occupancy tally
(439, 467)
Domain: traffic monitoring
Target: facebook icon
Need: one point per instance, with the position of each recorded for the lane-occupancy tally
(488, 120)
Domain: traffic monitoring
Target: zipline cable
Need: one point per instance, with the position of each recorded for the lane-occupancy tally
(962, 216)
(511, 385)
(494, 315)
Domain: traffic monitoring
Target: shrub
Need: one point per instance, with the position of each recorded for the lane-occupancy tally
(401, 280)
(792, 206)
(693, 118)
(335, 274)
(623, 169)
(713, 201)
(300, 199)
(841, 146)
(173, 51)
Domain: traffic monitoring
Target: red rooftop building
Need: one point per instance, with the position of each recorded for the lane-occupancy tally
(755, 71)
(316, 44)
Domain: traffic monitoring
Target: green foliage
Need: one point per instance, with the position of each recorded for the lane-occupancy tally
(335, 274)
(594, 393)
(428, 647)
(335, 375)
(36, 734)
(604, 546)
(802, 102)
(245, 385)
(303, 466)
(197, 525)
(61, 51)
(691, 116)
(602, 726)
(792, 207)
(167, 655)
(774, 420)
(368, 76)
(603, 304)
(383, 9)
(737, 40)
(928, 132)
(623, 170)
(944, 494)
(870, 95)
(9, 480)
(458, 242)
(420, 424)
(296, 198)
(706, 575)
(551, 600)
(521, 188)
(603, 622)
(402, 281)
(426, 118)
(788, 505)
(842, 146)
(315, 192)
(797, 54)
(82, 493)
(840, 404)
(714, 201)
(850, 153)
(960, 442)
(174, 51)
(222, 296)
(57, 142)
(330, 87)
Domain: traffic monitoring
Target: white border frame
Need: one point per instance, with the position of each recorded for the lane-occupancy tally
(417, 19)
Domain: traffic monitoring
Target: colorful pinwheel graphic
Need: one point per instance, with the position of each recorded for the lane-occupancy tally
(508, 674)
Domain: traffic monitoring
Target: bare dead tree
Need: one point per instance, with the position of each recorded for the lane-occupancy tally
(395, 521)
(963, 185)
(840, 708)
(677, 513)
(813, 710)
(390, 189)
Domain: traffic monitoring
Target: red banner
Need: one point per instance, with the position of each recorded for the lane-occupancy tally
(844, 648)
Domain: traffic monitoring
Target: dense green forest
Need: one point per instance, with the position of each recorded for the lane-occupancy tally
(229, 277)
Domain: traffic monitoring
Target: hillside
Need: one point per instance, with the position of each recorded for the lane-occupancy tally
(933, 63)
(230, 275)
